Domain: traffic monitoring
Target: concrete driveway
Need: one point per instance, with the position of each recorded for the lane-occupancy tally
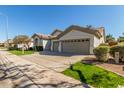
(16, 72)
(55, 61)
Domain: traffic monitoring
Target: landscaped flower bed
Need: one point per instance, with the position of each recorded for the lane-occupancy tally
(94, 76)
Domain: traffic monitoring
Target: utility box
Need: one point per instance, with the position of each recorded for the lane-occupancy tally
(117, 57)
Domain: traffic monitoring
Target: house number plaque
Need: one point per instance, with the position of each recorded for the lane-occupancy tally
(117, 57)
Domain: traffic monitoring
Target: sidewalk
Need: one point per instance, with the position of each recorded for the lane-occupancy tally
(22, 73)
(116, 68)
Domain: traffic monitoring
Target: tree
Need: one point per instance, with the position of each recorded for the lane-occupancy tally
(88, 26)
(22, 39)
(109, 38)
(121, 38)
(123, 33)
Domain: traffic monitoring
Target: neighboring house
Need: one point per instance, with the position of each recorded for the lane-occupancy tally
(31, 44)
(27, 46)
(9, 43)
(44, 41)
(75, 39)
(56, 32)
(41, 41)
(1, 44)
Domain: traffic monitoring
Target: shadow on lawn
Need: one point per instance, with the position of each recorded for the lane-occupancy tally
(81, 76)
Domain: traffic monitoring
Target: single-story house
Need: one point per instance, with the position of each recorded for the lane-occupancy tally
(9, 43)
(41, 42)
(26, 46)
(1, 44)
(74, 39)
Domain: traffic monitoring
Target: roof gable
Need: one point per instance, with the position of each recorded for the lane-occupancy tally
(42, 36)
(56, 32)
(82, 29)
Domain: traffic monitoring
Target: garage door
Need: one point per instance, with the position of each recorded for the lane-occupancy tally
(55, 46)
(76, 46)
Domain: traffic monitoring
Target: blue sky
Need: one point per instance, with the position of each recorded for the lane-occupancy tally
(44, 19)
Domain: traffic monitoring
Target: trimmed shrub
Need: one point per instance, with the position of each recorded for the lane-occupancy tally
(113, 43)
(13, 48)
(30, 48)
(38, 48)
(103, 44)
(117, 48)
(102, 53)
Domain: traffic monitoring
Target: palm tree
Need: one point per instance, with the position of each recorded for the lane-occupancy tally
(121, 38)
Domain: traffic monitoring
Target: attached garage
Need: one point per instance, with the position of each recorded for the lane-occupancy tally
(78, 40)
(55, 46)
(78, 46)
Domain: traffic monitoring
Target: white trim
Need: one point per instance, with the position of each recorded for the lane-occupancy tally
(60, 46)
(51, 46)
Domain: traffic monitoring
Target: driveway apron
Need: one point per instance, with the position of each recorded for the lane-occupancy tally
(22, 73)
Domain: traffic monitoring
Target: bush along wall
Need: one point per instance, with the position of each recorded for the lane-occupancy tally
(38, 48)
(102, 53)
(104, 44)
(118, 48)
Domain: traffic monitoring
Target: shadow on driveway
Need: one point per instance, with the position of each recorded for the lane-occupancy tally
(58, 54)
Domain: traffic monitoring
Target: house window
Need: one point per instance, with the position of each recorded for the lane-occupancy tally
(36, 41)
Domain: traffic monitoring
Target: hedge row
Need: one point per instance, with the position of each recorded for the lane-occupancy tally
(118, 48)
(102, 52)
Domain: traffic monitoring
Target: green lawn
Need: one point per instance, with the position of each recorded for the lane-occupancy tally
(94, 76)
(19, 52)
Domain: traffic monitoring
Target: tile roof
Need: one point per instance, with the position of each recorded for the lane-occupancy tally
(57, 30)
(98, 32)
(42, 36)
(93, 31)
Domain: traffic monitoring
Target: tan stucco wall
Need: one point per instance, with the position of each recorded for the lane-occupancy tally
(44, 43)
(39, 41)
(102, 31)
(98, 41)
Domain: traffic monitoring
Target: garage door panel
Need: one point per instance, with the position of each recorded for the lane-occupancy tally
(77, 46)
